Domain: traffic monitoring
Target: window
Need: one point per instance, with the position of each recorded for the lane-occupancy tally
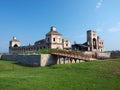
(66, 44)
(48, 39)
(94, 43)
(54, 39)
(59, 39)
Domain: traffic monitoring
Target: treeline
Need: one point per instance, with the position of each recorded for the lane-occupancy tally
(113, 51)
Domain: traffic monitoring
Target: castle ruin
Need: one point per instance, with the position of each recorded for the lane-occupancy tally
(54, 40)
(93, 43)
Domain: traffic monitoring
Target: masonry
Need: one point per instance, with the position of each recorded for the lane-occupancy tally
(53, 40)
(32, 60)
(50, 59)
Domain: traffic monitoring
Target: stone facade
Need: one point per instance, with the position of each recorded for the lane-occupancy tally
(0, 56)
(93, 43)
(115, 54)
(53, 40)
(32, 60)
(14, 42)
(66, 43)
(40, 60)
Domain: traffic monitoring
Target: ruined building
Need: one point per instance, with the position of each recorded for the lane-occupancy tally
(93, 43)
(52, 40)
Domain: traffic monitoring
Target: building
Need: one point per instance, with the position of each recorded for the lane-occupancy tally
(93, 43)
(52, 40)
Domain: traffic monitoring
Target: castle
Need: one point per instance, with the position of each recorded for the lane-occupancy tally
(93, 43)
(54, 40)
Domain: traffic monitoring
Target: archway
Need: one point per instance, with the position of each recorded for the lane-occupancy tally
(15, 45)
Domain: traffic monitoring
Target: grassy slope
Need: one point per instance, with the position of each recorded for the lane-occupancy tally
(95, 75)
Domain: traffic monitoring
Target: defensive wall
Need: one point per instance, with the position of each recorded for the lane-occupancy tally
(115, 54)
(48, 59)
(103, 55)
(32, 60)
(100, 55)
(0, 56)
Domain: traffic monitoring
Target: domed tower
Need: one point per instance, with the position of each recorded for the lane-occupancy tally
(14, 42)
(92, 40)
(54, 39)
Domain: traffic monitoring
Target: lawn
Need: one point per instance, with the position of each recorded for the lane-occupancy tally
(94, 75)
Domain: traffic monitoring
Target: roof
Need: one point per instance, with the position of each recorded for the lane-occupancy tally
(40, 41)
(52, 32)
(81, 45)
(15, 39)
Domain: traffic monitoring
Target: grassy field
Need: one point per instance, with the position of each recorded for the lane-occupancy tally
(94, 75)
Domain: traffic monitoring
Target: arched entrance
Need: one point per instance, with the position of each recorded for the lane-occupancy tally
(15, 45)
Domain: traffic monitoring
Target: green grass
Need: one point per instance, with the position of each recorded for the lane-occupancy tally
(95, 75)
(42, 51)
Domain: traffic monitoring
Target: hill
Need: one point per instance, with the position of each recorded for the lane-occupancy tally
(94, 75)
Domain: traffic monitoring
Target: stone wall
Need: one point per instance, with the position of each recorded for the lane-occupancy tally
(103, 55)
(100, 55)
(48, 59)
(9, 57)
(32, 60)
(115, 54)
(0, 56)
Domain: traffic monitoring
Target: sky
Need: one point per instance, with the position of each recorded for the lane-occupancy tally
(30, 20)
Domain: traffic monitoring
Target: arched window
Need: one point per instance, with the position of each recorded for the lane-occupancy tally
(15, 45)
(54, 39)
(94, 44)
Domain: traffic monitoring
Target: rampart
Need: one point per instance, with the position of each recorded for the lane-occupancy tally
(103, 55)
(0, 56)
(115, 54)
(32, 60)
(50, 59)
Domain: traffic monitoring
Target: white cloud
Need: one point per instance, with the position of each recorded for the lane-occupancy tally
(115, 28)
(99, 4)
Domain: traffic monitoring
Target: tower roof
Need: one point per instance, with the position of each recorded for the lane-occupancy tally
(15, 39)
(53, 31)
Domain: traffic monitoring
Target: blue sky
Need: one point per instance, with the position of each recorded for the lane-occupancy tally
(30, 20)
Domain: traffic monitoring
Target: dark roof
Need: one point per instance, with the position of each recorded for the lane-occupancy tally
(40, 41)
(81, 45)
(53, 33)
(85, 44)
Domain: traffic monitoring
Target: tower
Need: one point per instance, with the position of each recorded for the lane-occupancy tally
(92, 40)
(66, 44)
(54, 39)
(14, 42)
